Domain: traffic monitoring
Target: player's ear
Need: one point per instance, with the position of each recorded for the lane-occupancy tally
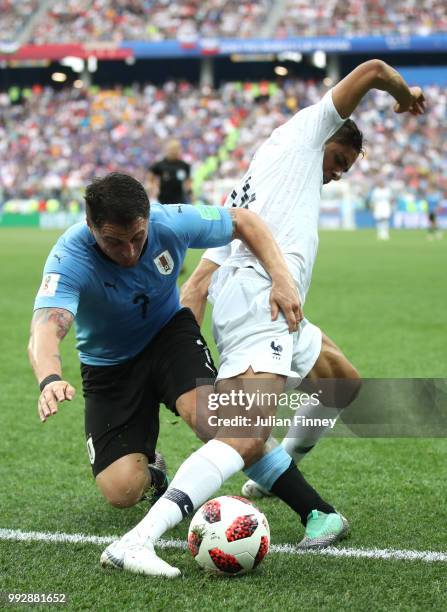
(88, 220)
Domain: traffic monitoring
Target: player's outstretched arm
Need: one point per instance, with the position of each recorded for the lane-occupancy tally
(194, 292)
(376, 74)
(48, 327)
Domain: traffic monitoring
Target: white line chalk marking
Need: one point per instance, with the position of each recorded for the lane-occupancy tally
(386, 554)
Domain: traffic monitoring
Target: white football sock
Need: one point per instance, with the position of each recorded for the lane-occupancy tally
(301, 437)
(196, 480)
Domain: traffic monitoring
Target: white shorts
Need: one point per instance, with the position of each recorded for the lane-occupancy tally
(246, 336)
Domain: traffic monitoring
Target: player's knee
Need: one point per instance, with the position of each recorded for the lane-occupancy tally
(350, 386)
(123, 494)
(123, 488)
(356, 382)
(340, 382)
(122, 499)
(250, 449)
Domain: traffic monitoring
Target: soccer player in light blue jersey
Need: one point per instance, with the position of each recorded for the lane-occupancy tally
(115, 277)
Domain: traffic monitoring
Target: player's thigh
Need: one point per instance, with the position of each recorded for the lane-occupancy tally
(194, 408)
(121, 412)
(333, 376)
(248, 403)
(245, 334)
(186, 372)
(331, 362)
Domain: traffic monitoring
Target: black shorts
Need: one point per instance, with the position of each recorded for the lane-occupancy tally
(122, 401)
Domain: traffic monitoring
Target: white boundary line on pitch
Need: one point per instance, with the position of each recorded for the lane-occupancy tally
(17, 535)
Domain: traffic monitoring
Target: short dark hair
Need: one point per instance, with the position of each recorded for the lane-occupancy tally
(349, 135)
(116, 198)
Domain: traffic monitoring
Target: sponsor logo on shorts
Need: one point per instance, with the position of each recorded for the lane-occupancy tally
(91, 450)
(276, 349)
(209, 362)
(164, 262)
(49, 285)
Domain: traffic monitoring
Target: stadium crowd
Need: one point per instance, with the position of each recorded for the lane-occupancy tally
(116, 20)
(53, 143)
(355, 17)
(14, 16)
(87, 20)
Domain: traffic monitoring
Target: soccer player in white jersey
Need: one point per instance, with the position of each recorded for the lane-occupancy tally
(283, 186)
(381, 204)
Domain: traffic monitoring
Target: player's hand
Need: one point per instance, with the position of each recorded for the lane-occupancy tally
(284, 296)
(415, 104)
(192, 297)
(54, 393)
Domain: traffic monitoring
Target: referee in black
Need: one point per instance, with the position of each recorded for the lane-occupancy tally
(170, 178)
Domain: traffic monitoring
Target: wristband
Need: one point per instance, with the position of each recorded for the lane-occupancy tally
(48, 379)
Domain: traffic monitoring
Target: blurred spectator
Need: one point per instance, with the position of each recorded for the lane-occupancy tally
(186, 20)
(14, 16)
(356, 18)
(170, 181)
(87, 20)
(53, 143)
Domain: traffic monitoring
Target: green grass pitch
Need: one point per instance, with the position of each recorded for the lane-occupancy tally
(385, 305)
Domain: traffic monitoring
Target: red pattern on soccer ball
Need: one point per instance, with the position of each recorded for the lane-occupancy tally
(194, 540)
(211, 511)
(241, 527)
(224, 562)
(242, 499)
(263, 550)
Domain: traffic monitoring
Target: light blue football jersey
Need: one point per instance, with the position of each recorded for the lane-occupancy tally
(119, 310)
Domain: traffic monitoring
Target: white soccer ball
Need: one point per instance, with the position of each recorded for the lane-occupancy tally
(229, 535)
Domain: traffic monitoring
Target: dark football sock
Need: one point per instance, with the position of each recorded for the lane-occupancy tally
(293, 489)
(158, 486)
(158, 479)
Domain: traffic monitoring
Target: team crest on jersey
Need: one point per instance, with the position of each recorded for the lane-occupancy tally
(49, 285)
(276, 349)
(164, 262)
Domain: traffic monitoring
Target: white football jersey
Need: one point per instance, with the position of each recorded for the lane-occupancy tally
(283, 186)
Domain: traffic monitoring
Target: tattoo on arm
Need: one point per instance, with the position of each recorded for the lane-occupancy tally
(59, 316)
